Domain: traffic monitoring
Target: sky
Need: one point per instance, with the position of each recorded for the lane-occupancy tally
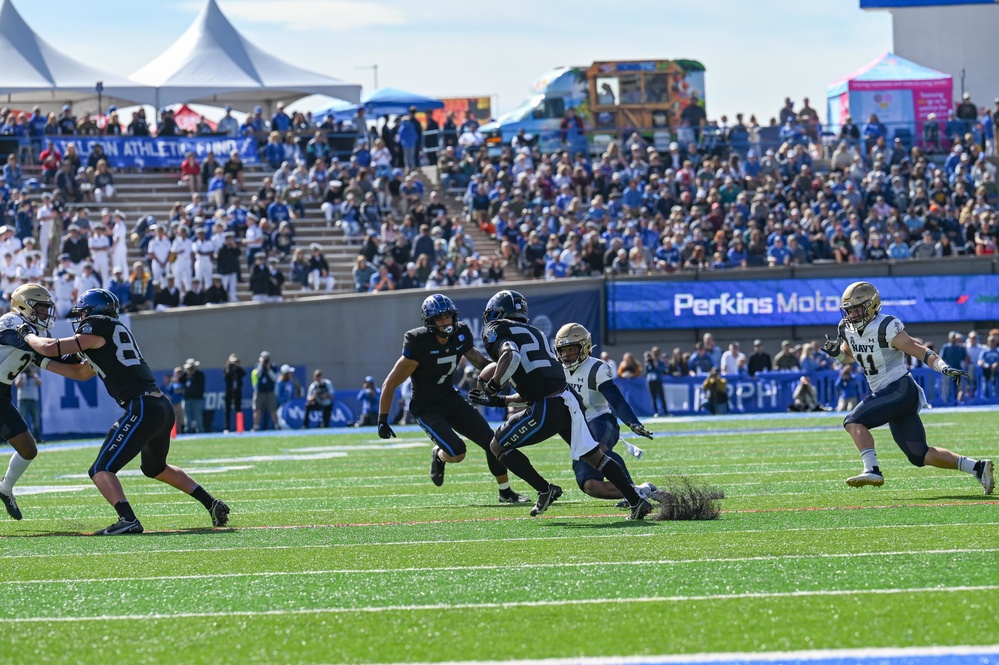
(756, 52)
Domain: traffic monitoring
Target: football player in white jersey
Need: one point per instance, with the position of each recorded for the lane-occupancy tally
(603, 402)
(879, 343)
(30, 304)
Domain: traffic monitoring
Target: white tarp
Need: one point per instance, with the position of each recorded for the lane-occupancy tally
(212, 63)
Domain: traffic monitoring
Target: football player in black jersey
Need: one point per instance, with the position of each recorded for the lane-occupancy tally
(524, 357)
(430, 356)
(109, 350)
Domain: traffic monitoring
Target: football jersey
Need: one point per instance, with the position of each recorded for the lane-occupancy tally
(119, 362)
(882, 363)
(15, 354)
(540, 374)
(433, 379)
(586, 380)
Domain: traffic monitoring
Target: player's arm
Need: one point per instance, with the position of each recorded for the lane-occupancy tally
(76, 371)
(56, 347)
(506, 365)
(474, 356)
(838, 350)
(404, 367)
(908, 345)
(620, 407)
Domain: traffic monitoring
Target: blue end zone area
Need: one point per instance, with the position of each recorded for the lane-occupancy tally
(957, 655)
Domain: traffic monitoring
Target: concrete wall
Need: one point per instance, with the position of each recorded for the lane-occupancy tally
(350, 336)
(952, 38)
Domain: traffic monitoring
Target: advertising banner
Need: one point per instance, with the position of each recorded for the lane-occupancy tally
(145, 152)
(547, 313)
(801, 302)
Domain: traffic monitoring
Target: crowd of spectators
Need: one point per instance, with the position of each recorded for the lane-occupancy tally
(715, 367)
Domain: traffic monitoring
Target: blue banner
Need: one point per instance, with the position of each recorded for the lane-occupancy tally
(811, 302)
(547, 313)
(130, 152)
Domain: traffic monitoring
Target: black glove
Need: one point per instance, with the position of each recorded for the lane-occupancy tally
(956, 374)
(832, 347)
(491, 387)
(24, 330)
(639, 429)
(384, 429)
(482, 398)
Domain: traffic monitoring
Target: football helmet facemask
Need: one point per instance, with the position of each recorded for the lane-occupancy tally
(506, 305)
(439, 305)
(573, 345)
(34, 304)
(861, 304)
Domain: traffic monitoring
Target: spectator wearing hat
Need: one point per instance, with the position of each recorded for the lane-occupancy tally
(760, 360)
(233, 169)
(204, 256)
(367, 402)
(280, 121)
(182, 251)
(167, 125)
(140, 288)
(275, 280)
(320, 278)
(409, 278)
(167, 296)
(73, 244)
(228, 264)
(259, 279)
(227, 125)
(286, 389)
(264, 378)
(119, 241)
(118, 285)
(99, 244)
(195, 297)
(382, 280)
(216, 294)
(193, 380)
(67, 121)
(158, 253)
(786, 359)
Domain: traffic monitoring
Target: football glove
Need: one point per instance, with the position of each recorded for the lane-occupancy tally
(956, 374)
(384, 429)
(832, 347)
(482, 398)
(639, 429)
(24, 330)
(491, 387)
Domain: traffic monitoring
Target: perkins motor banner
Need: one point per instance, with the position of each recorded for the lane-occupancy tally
(795, 302)
(131, 152)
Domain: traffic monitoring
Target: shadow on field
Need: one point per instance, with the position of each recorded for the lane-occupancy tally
(623, 524)
(980, 498)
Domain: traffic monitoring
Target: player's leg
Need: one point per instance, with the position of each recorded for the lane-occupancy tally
(910, 436)
(15, 431)
(591, 481)
(469, 423)
(897, 400)
(526, 428)
(448, 446)
(121, 445)
(154, 460)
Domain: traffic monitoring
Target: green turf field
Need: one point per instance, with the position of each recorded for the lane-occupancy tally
(341, 550)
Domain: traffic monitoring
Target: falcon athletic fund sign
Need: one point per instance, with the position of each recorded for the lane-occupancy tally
(802, 302)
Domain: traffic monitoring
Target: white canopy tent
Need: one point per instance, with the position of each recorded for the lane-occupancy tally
(32, 71)
(212, 63)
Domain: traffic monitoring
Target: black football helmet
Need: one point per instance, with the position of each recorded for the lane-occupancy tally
(95, 302)
(506, 305)
(435, 306)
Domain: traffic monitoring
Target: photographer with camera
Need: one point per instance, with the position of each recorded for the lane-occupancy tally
(264, 378)
(232, 375)
(655, 370)
(319, 398)
(194, 396)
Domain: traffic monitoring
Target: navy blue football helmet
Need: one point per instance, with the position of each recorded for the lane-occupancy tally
(506, 305)
(435, 306)
(95, 302)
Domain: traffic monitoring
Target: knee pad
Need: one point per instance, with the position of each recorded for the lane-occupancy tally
(150, 472)
(915, 459)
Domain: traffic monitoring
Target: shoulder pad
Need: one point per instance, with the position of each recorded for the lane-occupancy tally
(10, 320)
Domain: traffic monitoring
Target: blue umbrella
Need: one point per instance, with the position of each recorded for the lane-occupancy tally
(338, 108)
(392, 101)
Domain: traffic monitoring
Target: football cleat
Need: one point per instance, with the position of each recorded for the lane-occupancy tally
(219, 512)
(866, 478)
(622, 504)
(546, 499)
(436, 467)
(10, 503)
(985, 475)
(650, 491)
(640, 510)
(121, 527)
(510, 496)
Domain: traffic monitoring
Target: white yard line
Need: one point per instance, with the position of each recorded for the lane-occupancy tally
(509, 605)
(486, 567)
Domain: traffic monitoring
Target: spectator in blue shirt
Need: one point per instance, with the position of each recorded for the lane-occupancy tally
(778, 255)
(848, 390)
(408, 137)
(988, 362)
(954, 354)
(700, 362)
(899, 249)
(281, 121)
(737, 255)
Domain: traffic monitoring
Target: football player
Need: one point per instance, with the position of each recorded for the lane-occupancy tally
(525, 359)
(31, 305)
(603, 402)
(430, 356)
(110, 351)
(879, 343)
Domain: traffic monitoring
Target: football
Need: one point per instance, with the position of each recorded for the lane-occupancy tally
(486, 374)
